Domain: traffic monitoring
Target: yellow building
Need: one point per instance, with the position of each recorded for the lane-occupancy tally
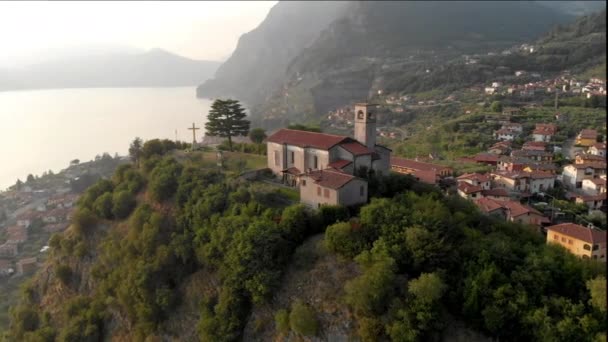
(580, 241)
(587, 137)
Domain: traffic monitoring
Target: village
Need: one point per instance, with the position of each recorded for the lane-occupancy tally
(31, 211)
(523, 186)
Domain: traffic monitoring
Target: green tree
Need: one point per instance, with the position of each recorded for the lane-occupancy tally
(103, 205)
(344, 239)
(123, 202)
(135, 150)
(30, 178)
(496, 106)
(281, 320)
(226, 119)
(257, 135)
(597, 289)
(302, 319)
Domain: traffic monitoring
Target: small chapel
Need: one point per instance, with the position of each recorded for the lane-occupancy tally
(324, 166)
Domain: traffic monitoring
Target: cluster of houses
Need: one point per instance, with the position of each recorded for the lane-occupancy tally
(567, 85)
(52, 214)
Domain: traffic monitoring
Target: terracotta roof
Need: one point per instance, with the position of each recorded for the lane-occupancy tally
(545, 129)
(356, 148)
(306, 139)
(487, 205)
(468, 188)
(540, 174)
(587, 134)
(475, 176)
(429, 177)
(292, 171)
(517, 209)
(498, 192)
(593, 165)
(339, 164)
(416, 165)
(485, 157)
(597, 181)
(588, 198)
(329, 178)
(504, 143)
(504, 131)
(534, 146)
(600, 146)
(579, 232)
(534, 153)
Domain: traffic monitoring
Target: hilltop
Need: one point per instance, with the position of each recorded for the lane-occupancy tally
(174, 248)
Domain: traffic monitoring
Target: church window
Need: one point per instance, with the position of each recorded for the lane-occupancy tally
(316, 162)
(326, 193)
(360, 114)
(293, 157)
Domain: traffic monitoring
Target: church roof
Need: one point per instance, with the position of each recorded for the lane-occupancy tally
(356, 148)
(306, 139)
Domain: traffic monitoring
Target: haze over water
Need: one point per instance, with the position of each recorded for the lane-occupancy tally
(46, 129)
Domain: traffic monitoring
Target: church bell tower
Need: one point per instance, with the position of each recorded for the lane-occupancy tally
(365, 124)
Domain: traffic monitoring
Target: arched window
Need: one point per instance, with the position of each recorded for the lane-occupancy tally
(587, 247)
(360, 114)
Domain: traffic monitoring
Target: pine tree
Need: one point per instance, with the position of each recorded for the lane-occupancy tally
(226, 119)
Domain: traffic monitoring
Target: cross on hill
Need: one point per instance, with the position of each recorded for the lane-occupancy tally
(193, 128)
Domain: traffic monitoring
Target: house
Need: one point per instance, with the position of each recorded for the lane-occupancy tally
(486, 158)
(523, 182)
(544, 132)
(512, 211)
(598, 149)
(505, 134)
(475, 179)
(496, 193)
(593, 202)
(514, 126)
(582, 158)
(491, 207)
(25, 266)
(587, 137)
(534, 146)
(501, 147)
(9, 250)
(292, 153)
(594, 186)
(581, 241)
(574, 174)
(332, 187)
(423, 171)
(490, 90)
(468, 191)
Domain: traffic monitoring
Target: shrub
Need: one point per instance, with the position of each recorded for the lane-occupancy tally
(281, 320)
(330, 214)
(343, 239)
(63, 272)
(103, 206)
(302, 319)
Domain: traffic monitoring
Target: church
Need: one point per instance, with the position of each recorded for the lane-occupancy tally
(323, 165)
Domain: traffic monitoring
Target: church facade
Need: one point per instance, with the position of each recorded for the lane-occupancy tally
(295, 155)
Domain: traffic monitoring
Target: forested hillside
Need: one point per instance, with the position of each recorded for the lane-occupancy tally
(173, 248)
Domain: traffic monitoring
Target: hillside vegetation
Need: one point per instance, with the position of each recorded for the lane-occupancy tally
(171, 248)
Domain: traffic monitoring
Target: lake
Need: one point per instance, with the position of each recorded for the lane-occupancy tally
(45, 129)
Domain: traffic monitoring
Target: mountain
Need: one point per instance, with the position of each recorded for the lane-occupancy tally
(153, 68)
(367, 46)
(577, 8)
(258, 63)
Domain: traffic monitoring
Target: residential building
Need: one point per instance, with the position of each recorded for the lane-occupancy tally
(587, 137)
(574, 174)
(593, 202)
(501, 147)
(491, 207)
(496, 193)
(598, 149)
(468, 191)
(523, 182)
(332, 187)
(475, 179)
(505, 134)
(544, 132)
(581, 241)
(540, 156)
(486, 158)
(582, 158)
(534, 146)
(16, 234)
(594, 186)
(423, 171)
(512, 211)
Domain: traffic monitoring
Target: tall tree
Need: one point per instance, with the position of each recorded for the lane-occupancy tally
(135, 150)
(257, 135)
(226, 119)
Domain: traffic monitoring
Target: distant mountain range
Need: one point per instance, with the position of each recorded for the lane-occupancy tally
(153, 68)
(357, 47)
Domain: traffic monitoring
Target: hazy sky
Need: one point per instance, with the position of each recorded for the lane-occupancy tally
(200, 30)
